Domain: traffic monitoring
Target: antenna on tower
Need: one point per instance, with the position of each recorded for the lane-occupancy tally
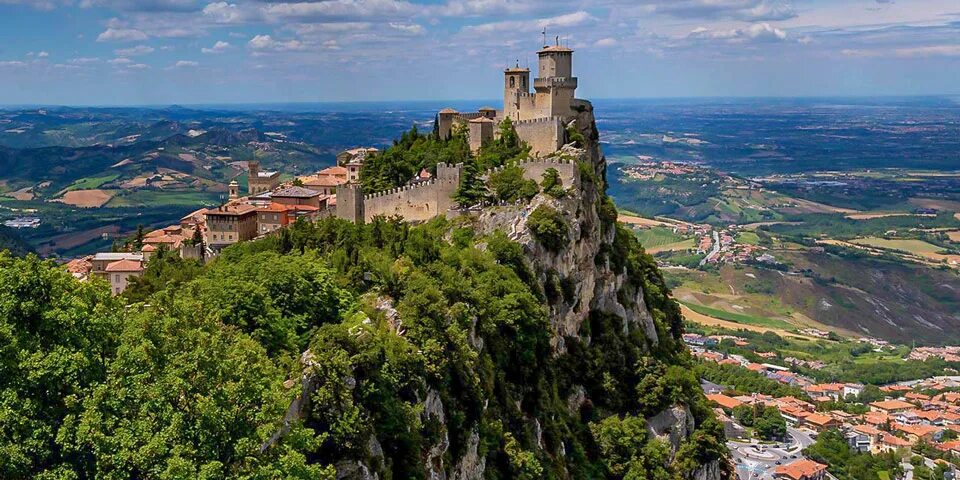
(558, 40)
(544, 36)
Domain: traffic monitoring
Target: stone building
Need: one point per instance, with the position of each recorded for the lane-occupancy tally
(539, 116)
(120, 272)
(353, 160)
(229, 224)
(327, 180)
(259, 182)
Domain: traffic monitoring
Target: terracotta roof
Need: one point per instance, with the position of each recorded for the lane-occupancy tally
(448, 110)
(724, 401)
(893, 440)
(819, 419)
(801, 469)
(481, 120)
(486, 109)
(124, 266)
(334, 170)
(867, 430)
(892, 405)
(148, 248)
(918, 430)
(79, 265)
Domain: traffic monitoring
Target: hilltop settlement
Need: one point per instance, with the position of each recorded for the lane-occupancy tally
(539, 118)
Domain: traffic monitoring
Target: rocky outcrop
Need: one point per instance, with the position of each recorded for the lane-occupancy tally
(598, 287)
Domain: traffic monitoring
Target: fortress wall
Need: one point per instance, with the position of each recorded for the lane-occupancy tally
(569, 173)
(416, 203)
(544, 135)
(413, 203)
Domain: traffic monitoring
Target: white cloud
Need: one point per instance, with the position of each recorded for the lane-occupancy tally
(606, 42)
(218, 47)
(43, 55)
(409, 28)
(562, 21)
(120, 61)
(757, 32)
(11, 64)
(138, 66)
(341, 9)
(121, 35)
(83, 60)
(186, 64)
(134, 51)
(223, 12)
(266, 42)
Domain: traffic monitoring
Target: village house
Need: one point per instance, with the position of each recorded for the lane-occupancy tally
(820, 423)
(229, 224)
(724, 401)
(802, 469)
(327, 181)
(120, 272)
(890, 406)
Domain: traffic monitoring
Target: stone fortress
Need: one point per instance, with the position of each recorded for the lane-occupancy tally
(540, 119)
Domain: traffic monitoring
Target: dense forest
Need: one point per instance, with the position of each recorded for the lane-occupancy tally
(340, 350)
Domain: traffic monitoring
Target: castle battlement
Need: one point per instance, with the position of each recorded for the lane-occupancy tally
(533, 121)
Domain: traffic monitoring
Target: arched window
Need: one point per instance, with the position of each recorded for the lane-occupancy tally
(523, 82)
(513, 82)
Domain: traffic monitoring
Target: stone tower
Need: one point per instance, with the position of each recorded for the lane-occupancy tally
(350, 202)
(516, 91)
(555, 86)
(253, 177)
(234, 190)
(481, 132)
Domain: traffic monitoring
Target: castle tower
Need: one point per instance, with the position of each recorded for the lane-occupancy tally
(556, 84)
(516, 87)
(234, 189)
(481, 132)
(350, 202)
(445, 119)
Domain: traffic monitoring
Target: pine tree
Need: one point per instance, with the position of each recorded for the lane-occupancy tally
(138, 239)
(436, 127)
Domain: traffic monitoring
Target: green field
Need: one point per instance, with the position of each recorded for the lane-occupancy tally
(749, 238)
(89, 183)
(743, 318)
(917, 247)
(657, 236)
(154, 198)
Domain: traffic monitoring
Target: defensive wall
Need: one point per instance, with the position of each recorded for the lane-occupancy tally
(423, 201)
(544, 135)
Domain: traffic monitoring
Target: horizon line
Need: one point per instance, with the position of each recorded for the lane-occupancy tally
(385, 101)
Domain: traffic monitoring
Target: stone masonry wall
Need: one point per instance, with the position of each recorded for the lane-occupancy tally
(544, 135)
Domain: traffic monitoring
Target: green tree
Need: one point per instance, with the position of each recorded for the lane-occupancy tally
(548, 227)
(552, 184)
(508, 185)
(56, 338)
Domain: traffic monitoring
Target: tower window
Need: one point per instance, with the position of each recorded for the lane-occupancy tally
(513, 82)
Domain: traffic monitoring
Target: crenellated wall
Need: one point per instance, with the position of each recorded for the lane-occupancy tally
(535, 168)
(544, 135)
(424, 201)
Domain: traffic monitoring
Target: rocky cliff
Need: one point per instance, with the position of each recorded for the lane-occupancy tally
(601, 389)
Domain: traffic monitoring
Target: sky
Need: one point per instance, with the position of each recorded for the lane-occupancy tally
(140, 52)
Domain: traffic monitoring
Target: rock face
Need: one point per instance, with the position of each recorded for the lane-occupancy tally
(582, 272)
(597, 287)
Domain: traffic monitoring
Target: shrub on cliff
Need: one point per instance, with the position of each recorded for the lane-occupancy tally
(548, 227)
(508, 185)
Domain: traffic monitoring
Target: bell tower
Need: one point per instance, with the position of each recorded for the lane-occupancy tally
(516, 84)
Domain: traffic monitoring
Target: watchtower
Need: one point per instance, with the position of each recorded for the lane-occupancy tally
(516, 87)
(350, 202)
(556, 84)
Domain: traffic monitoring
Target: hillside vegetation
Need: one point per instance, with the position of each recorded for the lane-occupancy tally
(335, 350)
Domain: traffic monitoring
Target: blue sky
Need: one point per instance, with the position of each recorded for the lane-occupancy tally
(86, 52)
